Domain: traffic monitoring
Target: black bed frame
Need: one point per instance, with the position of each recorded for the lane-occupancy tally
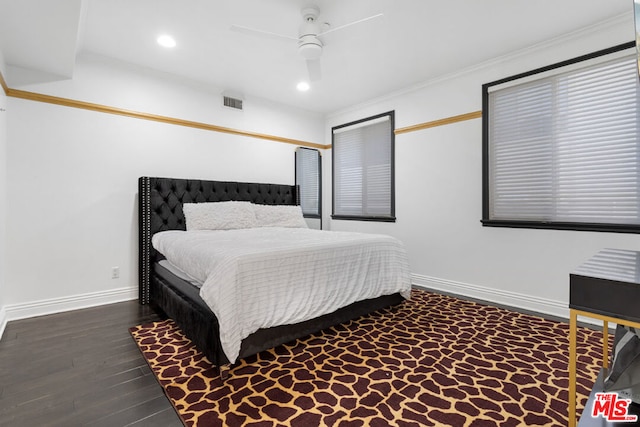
(160, 208)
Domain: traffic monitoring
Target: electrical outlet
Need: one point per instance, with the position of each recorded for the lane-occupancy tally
(115, 272)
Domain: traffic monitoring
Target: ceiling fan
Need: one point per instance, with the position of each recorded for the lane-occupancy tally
(309, 37)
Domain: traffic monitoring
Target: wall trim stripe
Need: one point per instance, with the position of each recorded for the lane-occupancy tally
(440, 122)
(3, 83)
(434, 123)
(49, 99)
(67, 102)
(32, 96)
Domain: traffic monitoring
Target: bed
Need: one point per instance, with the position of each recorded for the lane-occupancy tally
(161, 203)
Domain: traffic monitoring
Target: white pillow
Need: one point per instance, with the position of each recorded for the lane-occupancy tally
(219, 215)
(279, 216)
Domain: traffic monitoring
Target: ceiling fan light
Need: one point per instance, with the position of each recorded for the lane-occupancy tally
(310, 47)
(310, 51)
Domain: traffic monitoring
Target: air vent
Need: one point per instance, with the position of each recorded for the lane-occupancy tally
(232, 102)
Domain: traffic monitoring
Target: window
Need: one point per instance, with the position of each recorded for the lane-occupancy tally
(363, 170)
(561, 147)
(309, 181)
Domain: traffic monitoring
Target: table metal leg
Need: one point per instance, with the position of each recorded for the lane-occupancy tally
(572, 367)
(605, 344)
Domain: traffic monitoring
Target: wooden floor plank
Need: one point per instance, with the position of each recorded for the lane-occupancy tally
(164, 418)
(134, 413)
(80, 368)
(69, 379)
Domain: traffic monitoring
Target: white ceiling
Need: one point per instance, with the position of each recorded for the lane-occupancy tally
(415, 40)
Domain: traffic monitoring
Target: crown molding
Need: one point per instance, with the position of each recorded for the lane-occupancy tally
(616, 21)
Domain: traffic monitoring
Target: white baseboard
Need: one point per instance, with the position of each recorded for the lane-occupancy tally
(498, 296)
(3, 320)
(59, 305)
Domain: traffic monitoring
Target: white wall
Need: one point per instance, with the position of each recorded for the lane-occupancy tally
(71, 211)
(439, 190)
(72, 175)
(3, 198)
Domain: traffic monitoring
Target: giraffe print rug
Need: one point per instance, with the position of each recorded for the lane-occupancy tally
(434, 360)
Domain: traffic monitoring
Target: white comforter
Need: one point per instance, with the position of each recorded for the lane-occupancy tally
(262, 277)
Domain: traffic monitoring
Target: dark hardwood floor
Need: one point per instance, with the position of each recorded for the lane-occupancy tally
(80, 368)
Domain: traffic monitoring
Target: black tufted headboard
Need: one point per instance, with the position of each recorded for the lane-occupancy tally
(160, 208)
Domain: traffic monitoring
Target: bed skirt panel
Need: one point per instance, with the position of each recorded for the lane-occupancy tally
(201, 326)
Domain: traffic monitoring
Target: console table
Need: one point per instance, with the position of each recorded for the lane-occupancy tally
(606, 287)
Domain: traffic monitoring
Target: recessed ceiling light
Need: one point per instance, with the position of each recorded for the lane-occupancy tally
(166, 41)
(303, 86)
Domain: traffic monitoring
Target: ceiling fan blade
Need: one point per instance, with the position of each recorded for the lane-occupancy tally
(261, 33)
(359, 21)
(314, 69)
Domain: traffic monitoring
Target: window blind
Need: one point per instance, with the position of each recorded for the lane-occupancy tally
(363, 168)
(565, 148)
(308, 180)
